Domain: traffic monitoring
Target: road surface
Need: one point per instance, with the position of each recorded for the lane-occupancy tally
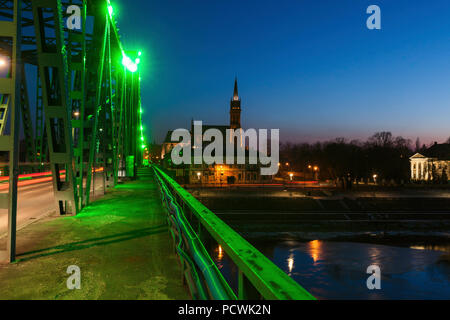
(35, 200)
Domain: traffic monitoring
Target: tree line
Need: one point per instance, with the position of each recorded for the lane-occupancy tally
(383, 155)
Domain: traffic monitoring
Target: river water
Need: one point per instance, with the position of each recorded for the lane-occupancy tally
(337, 269)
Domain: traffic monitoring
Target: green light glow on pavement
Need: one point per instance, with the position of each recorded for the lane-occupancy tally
(113, 240)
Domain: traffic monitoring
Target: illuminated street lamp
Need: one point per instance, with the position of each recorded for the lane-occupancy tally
(110, 10)
(291, 175)
(316, 168)
(375, 176)
(132, 66)
(198, 175)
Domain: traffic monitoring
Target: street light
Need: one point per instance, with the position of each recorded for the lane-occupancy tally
(291, 175)
(132, 66)
(198, 175)
(110, 10)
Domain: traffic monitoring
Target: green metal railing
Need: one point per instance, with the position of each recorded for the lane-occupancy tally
(258, 277)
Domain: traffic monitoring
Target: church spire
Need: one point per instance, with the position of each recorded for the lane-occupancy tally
(235, 95)
(235, 108)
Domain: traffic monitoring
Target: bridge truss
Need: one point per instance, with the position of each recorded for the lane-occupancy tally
(86, 107)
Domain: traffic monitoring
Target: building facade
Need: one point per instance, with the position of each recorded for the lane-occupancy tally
(431, 165)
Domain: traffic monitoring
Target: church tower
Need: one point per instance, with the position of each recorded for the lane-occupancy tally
(235, 109)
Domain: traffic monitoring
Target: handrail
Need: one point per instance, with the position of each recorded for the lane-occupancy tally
(257, 274)
(215, 283)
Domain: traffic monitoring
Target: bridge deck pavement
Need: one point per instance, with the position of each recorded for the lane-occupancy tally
(120, 243)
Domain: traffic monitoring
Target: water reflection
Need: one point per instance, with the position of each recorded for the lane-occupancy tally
(219, 256)
(337, 270)
(315, 249)
(220, 253)
(375, 255)
(290, 262)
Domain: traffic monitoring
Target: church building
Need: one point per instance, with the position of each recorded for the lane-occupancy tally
(216, 174)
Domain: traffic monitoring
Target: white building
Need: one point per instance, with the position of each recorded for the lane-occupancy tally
(432, 164)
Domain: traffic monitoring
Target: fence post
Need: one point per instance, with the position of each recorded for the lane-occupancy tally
(246, 291)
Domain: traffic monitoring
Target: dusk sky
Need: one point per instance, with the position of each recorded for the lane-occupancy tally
(310, 68)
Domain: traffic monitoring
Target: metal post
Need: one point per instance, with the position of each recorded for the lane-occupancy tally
(94, 140)
(53, 69)
(11, 89)
(77, 71)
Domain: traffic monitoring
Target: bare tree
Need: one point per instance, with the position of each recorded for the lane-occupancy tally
(381, 139)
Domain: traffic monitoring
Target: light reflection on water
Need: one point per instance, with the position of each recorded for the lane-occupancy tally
(314, 249)
(337, 270)
(219, 256)
(290, 262)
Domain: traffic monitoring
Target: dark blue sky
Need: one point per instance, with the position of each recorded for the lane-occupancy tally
(308, 67)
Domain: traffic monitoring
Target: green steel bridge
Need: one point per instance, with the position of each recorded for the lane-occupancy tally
(86, 118)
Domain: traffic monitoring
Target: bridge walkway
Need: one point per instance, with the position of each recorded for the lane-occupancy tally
(120, 243)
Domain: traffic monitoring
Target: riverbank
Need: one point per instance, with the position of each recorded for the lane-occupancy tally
(304, 200)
